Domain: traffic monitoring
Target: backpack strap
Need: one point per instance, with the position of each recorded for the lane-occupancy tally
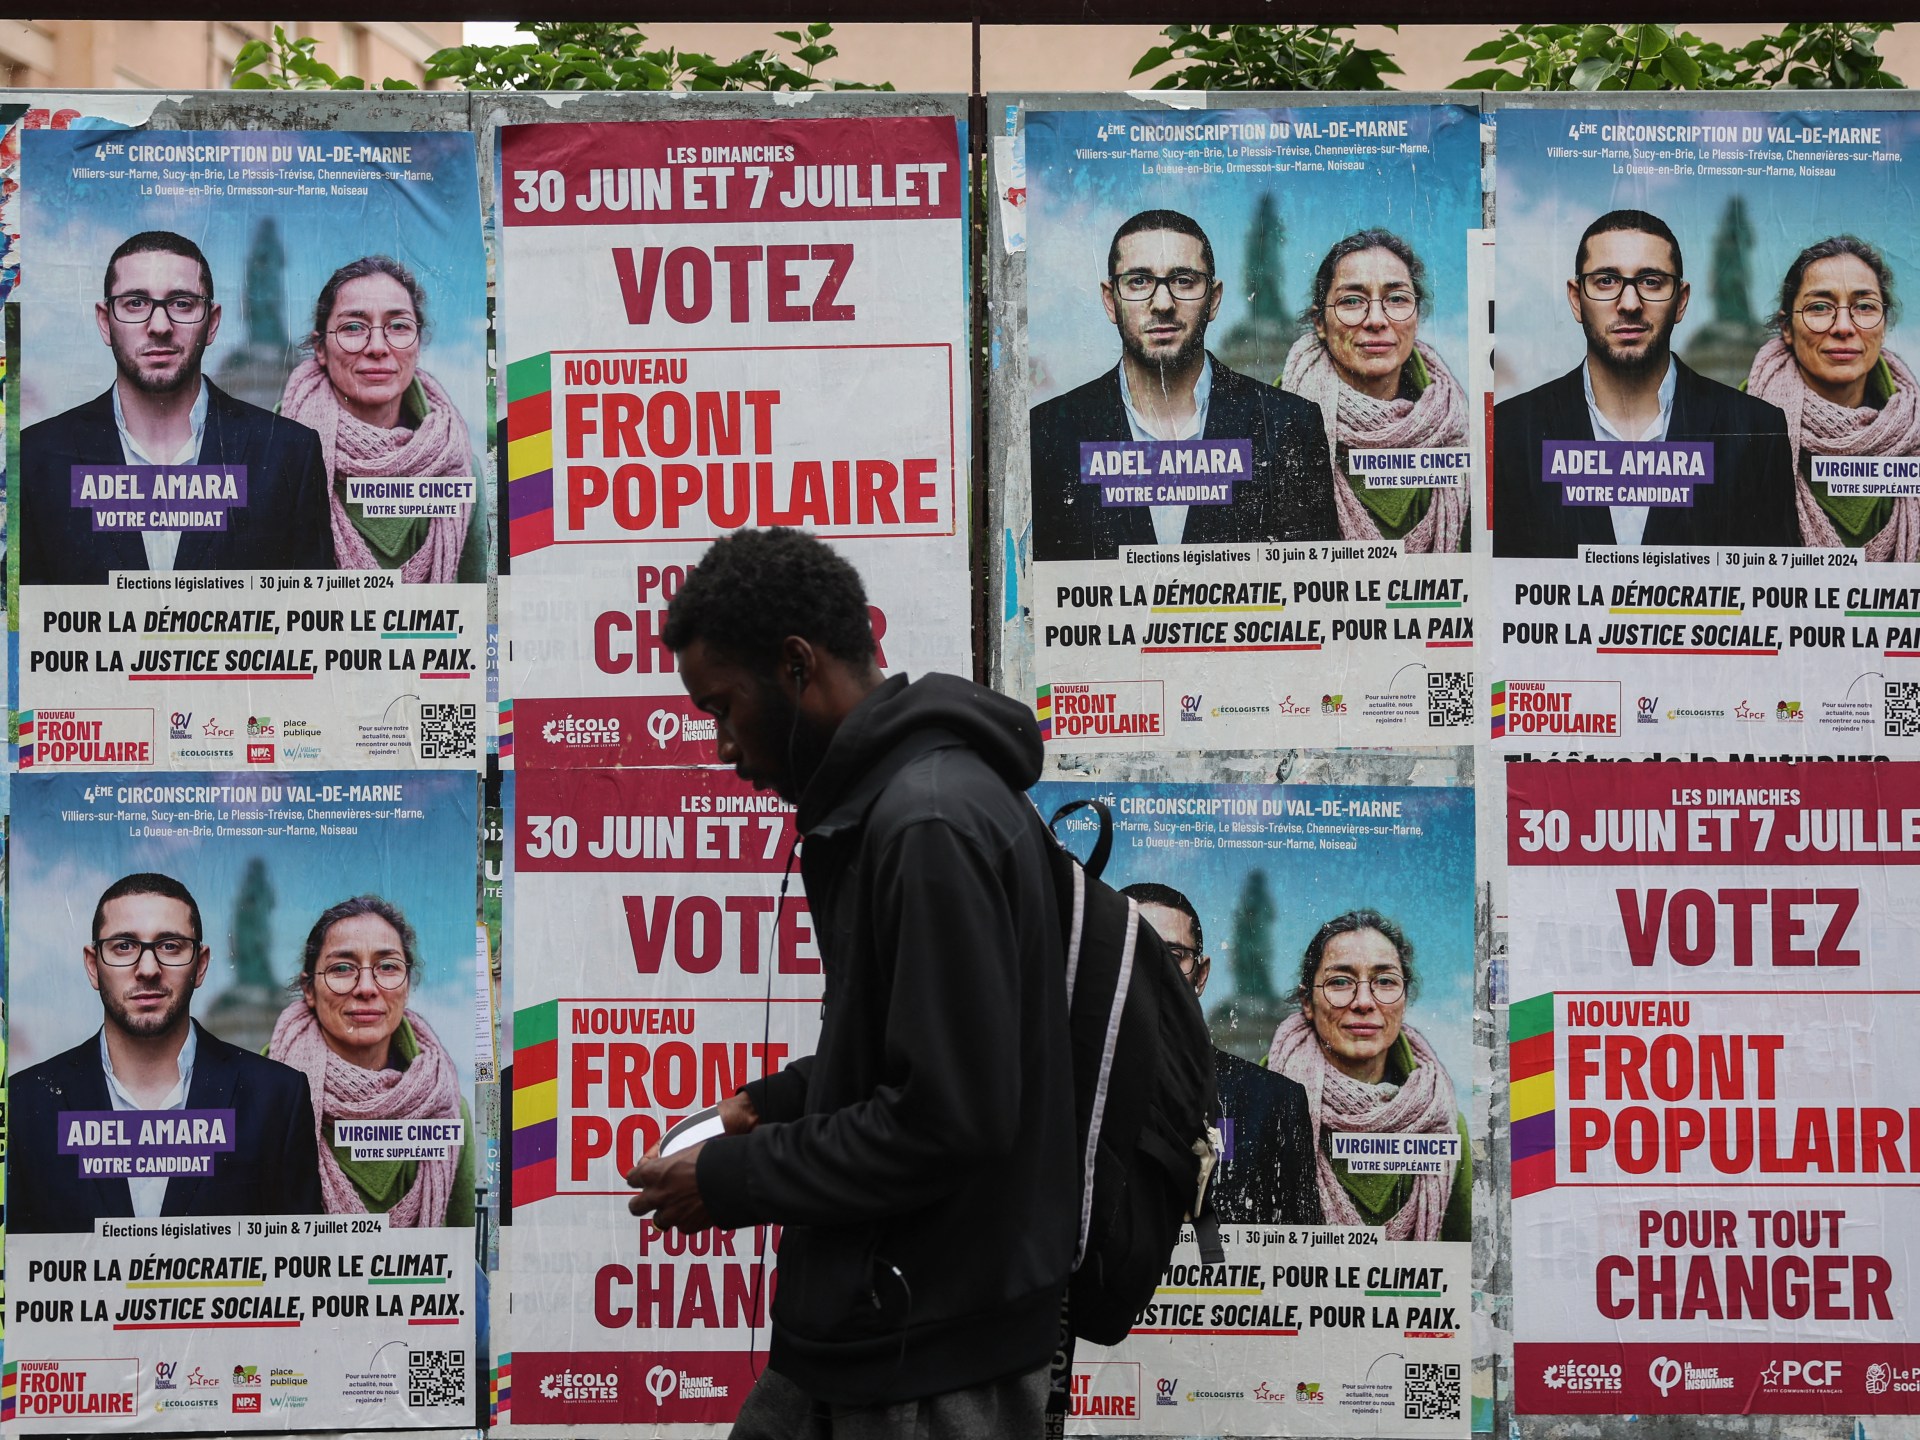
(1109, 1044)
(1103, 845)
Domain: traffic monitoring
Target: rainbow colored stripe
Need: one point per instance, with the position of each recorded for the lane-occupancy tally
(1043, 708)
(1530, 1092)
(530, 454)
(500, 1388)
(25, 717)
(9, 1391)
(505, 734)
(1499, 708)
(536, 1102)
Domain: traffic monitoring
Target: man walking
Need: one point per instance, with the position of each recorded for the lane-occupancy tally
(922, 1160)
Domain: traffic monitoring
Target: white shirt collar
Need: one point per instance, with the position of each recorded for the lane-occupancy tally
(1202, 393)
(136, 456)
(176, 1097)
(1603, 431)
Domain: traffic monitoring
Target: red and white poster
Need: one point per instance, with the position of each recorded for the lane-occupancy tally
(657, 972)
(1715, 1115)
(709, 325)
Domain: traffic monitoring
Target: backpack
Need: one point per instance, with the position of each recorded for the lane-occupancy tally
(1146, 1105)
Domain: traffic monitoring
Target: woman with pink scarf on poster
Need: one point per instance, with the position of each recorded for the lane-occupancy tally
(1844, 393)
(366, 1056)
(1367, 1071)
(1380, 387)
(378, 414)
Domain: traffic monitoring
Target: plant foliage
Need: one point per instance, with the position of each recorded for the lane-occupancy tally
(1266, 57)
(1832, 56)
(561, 55)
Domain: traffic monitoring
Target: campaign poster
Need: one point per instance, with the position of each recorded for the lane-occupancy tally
(716, 324)
(656, 971)
(241, 1178)
(1252, 427)
(1713, 1113)
(251, 515)
(1704, 411)
(1329, 932)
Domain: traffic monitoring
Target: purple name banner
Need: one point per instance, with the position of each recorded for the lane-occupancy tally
(1658, 473)
(142, 1144)
(1165, 472)
(158, 497)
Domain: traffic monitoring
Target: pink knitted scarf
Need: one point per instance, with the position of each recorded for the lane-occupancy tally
(426, 1090)
(1422, 1104)
(1438, 416)
(353, 447)
(1818, 425)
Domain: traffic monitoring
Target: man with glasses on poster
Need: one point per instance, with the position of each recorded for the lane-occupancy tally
(87, 511)
(1170, 447)
(152, 1116)
(1709, 466)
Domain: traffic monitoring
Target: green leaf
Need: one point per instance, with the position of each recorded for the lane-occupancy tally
(819, 28)
(1152, 60)
(1484, 52)
(1680, 69)
(251, 81)
(1652, 40)
(1589, 74)
(792, 37)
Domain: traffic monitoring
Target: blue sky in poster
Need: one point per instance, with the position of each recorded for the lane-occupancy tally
(71, 225)
(1424, 883)
(1546, 200)
(428, 867)
(1074, 206)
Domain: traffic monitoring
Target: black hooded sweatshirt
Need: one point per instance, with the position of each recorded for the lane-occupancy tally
(922, 1158)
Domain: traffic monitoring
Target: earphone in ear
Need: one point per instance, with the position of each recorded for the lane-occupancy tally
(799, 676)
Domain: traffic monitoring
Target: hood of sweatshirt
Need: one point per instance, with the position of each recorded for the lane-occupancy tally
(901, 720)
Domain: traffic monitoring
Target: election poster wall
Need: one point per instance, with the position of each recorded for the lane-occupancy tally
(1666, 536)
(241, 1178)
(1329, 931)
(1251, 444)
(1712, 1109)
(656, 970)
(712, 324)
(251, 526)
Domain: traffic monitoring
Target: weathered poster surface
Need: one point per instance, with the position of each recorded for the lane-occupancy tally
(1706, 497)
(1252, 443)
(242, 1163)
(1712, 1108)
(656, 970)
(710, 325)
(251, 519)
(1330, 932)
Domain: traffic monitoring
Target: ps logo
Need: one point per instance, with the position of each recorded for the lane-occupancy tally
(663, 725)
(661, 1382)
(1664, 1373)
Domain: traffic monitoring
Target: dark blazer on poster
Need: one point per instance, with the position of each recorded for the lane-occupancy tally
(273, 1169)
(1289, 497)
(286, 523)
(1750, 501)
(1271, 1178)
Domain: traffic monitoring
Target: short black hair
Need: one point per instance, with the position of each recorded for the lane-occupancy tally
(1827, 249)
(145, 883)
(1361, 240)
(1643, 221)
(754, 588)
(1347, 924)
(1161, 220)
(163, 242)
(346, 910)
(1150, 892)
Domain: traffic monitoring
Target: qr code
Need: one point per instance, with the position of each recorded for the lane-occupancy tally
(1449, 697)
(439, 1377)
(1903, 708)
(1433, 1391)
(447, 731)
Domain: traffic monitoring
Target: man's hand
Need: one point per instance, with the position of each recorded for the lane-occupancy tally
(737, 1113)
(669, 1191)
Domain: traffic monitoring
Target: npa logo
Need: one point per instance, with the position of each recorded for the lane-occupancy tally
(259, 754)
(85, 739)
(1101, 709)
(1556, 707)
(1190, 708)
(248, 1404)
